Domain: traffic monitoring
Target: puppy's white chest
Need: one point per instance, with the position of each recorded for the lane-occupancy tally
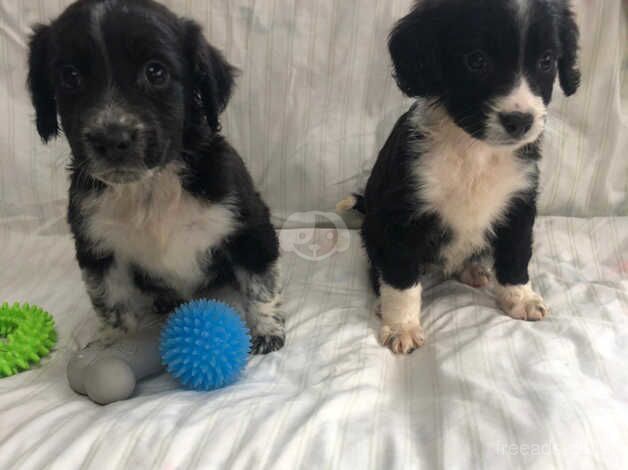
(159, 227)
(469, 185)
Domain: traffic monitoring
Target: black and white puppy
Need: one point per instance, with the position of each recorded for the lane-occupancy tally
(162, 208)
(458, 176)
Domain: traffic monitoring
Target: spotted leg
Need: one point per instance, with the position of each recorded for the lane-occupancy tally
(255, 254)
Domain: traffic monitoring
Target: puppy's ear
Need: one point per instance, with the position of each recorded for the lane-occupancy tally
(213, 77)
(40, 83)
(413, 48)
(568, 72)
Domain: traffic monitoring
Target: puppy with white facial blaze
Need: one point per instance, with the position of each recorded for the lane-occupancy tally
(161, 207)
(457, 179)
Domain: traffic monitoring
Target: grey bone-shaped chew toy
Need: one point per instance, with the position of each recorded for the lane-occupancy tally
(109, 373)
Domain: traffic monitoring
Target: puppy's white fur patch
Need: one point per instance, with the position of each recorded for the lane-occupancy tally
(158, 226)
(523, 10)
(97, 13)
(521, 302)
(520, 99)
(467, 182)
(113, 113)
(400, 310)
(400, 306)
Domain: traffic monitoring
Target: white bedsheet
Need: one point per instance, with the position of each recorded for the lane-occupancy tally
(484, 392)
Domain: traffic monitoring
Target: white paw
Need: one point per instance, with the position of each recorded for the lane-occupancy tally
(475, 275)
(402, 339)
(521, 302)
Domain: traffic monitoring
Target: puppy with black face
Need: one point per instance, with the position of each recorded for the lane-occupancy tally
(457, 178)
(161, 206)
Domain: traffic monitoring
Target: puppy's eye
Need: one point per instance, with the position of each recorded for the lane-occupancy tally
(546, 62)
(476, 61)
(156, 74)
(70, 78)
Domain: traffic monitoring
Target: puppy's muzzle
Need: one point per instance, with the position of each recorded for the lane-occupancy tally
(114, 143)
(116, 146)
(516, 124)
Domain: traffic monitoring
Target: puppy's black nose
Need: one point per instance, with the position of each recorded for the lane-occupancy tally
(112, 141)
(516, 124)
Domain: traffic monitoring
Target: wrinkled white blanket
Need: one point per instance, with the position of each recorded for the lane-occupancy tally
(485, 391)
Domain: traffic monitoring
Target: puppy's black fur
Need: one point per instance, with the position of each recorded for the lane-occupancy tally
(139, 92)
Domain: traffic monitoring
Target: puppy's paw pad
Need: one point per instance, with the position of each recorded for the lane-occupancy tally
(522, 303)
(402, 339)
(475, 275)
(264, 344)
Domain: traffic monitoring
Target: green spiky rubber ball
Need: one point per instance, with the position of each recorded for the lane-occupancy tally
(27, 333)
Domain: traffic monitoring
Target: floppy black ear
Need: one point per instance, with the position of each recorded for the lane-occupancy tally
(213, 77)
(40, 83)
(412, 46)
(568, 72)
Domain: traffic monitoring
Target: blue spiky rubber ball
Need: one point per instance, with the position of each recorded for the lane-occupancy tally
(205, 345)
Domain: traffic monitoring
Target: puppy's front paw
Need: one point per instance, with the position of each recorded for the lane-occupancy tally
(268, 334)
(264, 344)
(402, 339)
(128, 325)
(521, 302)
(108, 335)
(475, 275)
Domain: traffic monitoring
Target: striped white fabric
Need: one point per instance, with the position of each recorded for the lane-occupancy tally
(314, 103)
(485, 391)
